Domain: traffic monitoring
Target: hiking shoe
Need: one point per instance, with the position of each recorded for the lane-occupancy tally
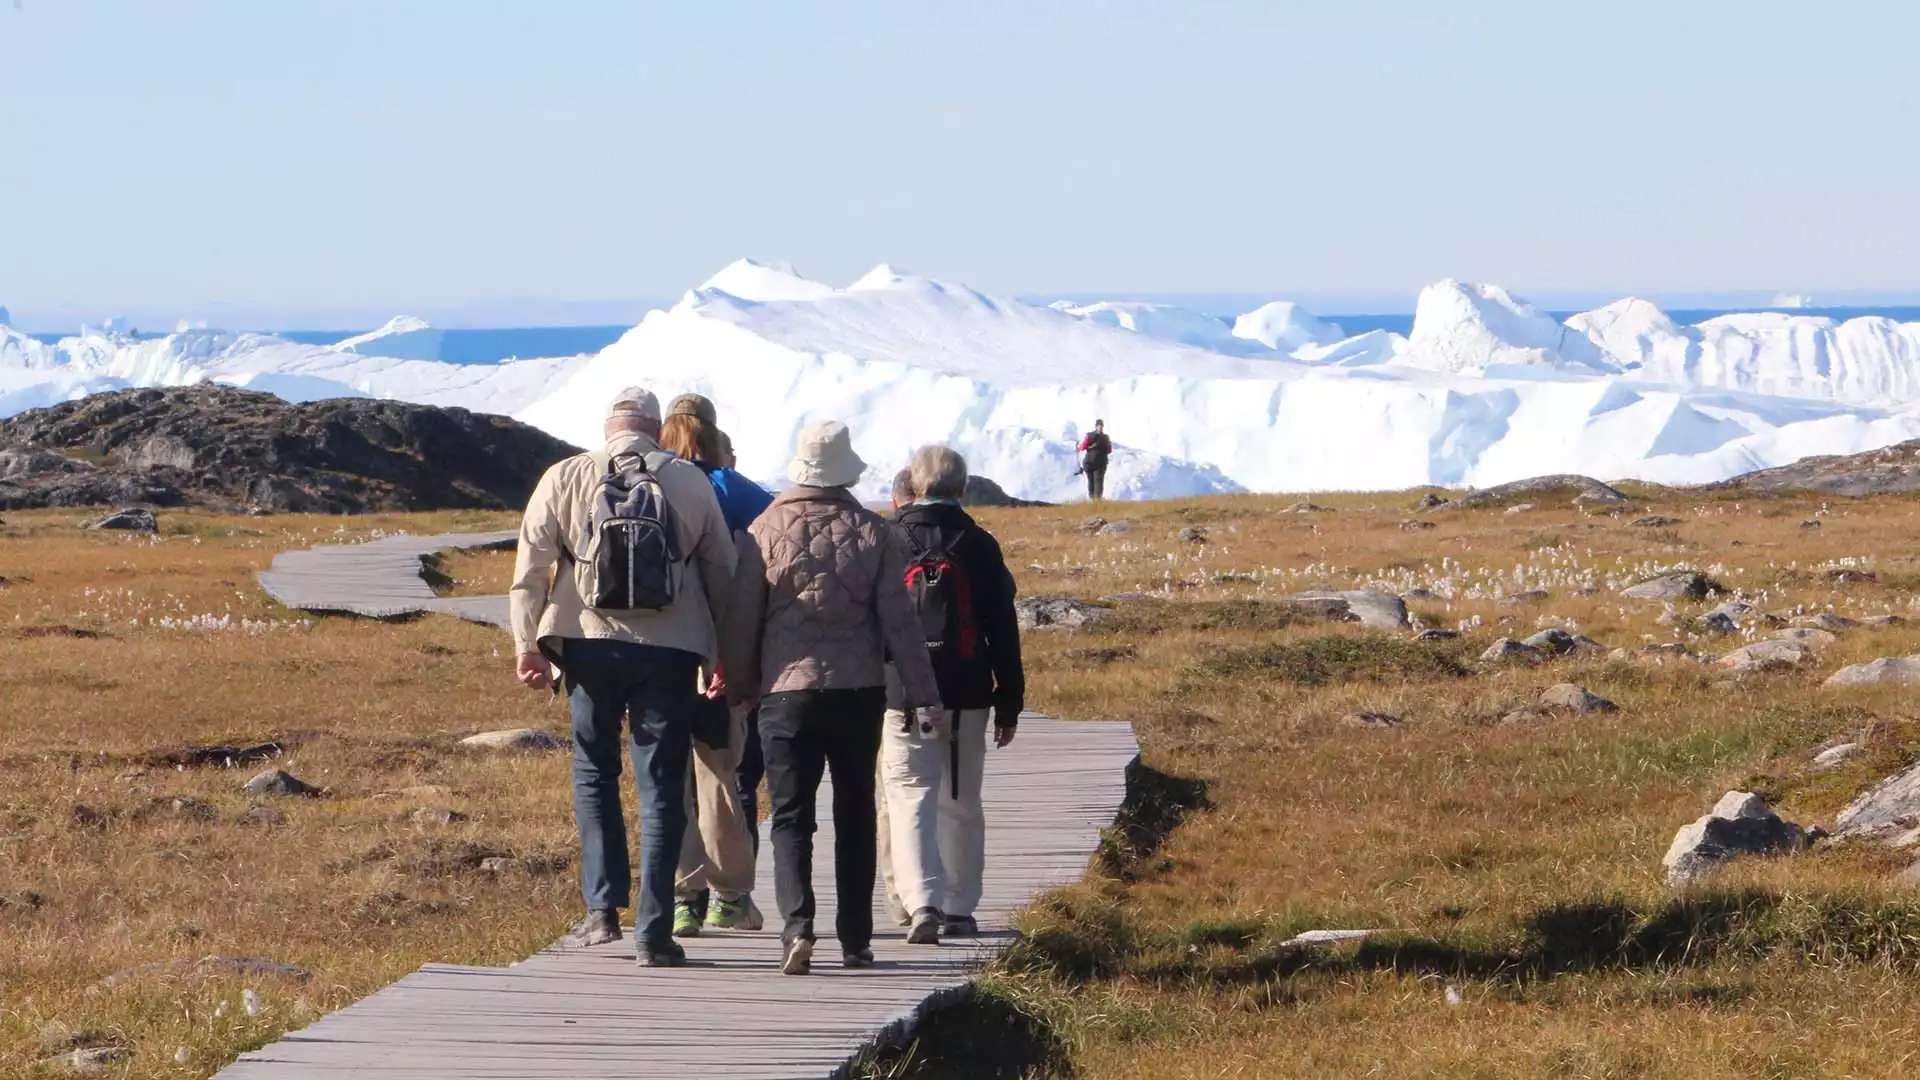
(861, 957)
(926, 927)
(599, 927)
(662, 954)
(798, 959)
(897, 910)
(741, 914)
(686, 921)
(960, 926)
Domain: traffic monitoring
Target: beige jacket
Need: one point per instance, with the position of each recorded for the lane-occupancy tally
(547, 606)
(820, 602)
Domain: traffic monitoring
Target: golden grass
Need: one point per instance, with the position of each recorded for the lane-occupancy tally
(1517, 862)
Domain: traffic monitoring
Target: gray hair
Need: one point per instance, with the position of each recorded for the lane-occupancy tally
(903, 492)
(939, 473)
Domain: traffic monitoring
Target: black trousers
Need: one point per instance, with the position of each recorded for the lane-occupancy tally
(803, 734)
(1097, 482)
(753, 769)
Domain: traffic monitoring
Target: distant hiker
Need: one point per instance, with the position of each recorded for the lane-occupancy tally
(819, 604)
(718, 854)
(624, 559)
(1095, 449)
(933, 773)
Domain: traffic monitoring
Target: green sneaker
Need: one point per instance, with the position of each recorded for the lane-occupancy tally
(740, 914)
(686, 921)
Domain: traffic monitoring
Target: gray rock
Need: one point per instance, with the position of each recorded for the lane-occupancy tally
(131, 520)
(1734, 611)
(1766, 656)
(1326, 937)
(1656, 521)
(435, 815)
(1893, 803)
(1835, 756)
(1370, 719)
(1886, 671)
(1740, 824)
(1116, 528)
(1519, 508)
(280, 782)
(1418, 593)
(1380, 610)
(1586, 646)
(1438, 634)
(1507, 650)
(1552, 640)
(514, 739)
(1431, 501)
(1809, 525)
(1831, 623)
(1415, 525)
(1883, 620)
(1814, 640)
(1530, 596)
(1093, 525)
(1718, 622)
(1191, 535)
(1572, 698)
(1682, 585)
(498, 864)
(1307, 508)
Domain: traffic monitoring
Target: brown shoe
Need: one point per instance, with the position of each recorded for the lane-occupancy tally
(599, 927)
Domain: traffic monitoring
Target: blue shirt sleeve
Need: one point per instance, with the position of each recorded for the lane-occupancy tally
(741, 500)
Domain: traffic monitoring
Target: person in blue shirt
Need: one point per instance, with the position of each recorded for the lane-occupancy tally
(715, 882)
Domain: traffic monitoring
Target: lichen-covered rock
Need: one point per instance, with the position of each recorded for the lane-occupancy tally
(1893, 803)
(1380, 610)
(1569, 697)
(514, 739)
(1507, 651)
(1766, 656)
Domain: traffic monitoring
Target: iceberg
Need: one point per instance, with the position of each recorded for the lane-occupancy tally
(404, 337)
(1486, 388)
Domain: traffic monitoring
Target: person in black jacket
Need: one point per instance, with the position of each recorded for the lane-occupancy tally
(932, 774)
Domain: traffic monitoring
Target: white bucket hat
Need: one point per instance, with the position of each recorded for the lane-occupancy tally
(823, 457)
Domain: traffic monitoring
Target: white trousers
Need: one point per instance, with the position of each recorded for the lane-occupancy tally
(937, 841)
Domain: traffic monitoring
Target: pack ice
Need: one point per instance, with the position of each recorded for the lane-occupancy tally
(1485, 388)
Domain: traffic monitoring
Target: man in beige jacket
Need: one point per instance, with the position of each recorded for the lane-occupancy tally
(632, 666)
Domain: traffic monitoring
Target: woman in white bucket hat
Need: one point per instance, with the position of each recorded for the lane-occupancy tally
(820, 606)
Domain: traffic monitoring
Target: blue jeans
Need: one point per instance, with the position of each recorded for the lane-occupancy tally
(652, 689)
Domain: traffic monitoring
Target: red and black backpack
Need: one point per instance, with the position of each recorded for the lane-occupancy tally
(944, 598)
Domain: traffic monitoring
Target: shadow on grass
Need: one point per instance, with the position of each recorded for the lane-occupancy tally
(1083, 937)
(975, 1034)
(1155, 805)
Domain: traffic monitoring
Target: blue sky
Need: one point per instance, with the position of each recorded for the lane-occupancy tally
(300, 157)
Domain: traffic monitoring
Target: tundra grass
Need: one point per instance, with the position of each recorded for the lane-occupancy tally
(1511, 867)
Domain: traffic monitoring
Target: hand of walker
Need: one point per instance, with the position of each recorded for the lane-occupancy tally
(930, 723)
(717, 687)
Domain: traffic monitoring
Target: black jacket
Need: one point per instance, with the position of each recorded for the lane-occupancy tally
(993, 678)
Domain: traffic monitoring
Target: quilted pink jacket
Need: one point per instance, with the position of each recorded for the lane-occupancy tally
(820, 602)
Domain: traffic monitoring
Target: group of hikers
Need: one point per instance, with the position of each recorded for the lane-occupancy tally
(741, 636)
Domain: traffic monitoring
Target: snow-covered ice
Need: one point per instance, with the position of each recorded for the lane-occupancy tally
(1486, 388)
(405, 337)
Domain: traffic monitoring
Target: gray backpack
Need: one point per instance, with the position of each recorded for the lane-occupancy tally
(632, 561)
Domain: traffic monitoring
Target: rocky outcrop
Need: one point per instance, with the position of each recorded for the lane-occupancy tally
(981, 491)
(1055, 613)
(1893, 468)
(1889, 808)
(1886, 671)
(1739, 824)
(1580, 489)
(1380, 610)
(1680, 585)
(231, 449)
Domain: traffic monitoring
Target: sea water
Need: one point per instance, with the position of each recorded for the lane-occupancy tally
(488, 346)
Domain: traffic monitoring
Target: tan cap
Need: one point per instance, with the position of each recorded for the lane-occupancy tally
(635, 401)
(698, 406)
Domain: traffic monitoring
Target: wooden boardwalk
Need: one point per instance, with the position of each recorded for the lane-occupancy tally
(594, 1013)
(380, 579)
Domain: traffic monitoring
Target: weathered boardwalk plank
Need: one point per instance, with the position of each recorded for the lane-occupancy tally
(380, 579)
(595, 1014)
